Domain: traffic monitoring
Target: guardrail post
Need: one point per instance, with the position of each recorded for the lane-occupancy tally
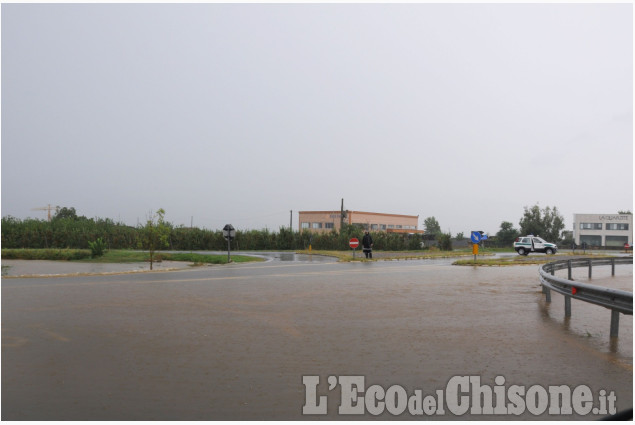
(618, 301)
(615, 322)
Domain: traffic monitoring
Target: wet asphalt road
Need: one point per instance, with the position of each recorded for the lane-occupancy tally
(233, 342)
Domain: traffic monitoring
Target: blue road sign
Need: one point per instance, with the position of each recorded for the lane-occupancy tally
(475, 237)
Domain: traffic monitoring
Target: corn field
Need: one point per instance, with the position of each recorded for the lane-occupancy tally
(78, 233)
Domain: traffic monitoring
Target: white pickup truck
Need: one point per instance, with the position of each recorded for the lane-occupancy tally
(530, 243)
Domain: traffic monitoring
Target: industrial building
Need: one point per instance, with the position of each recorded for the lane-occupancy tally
(326, 221)
(603, 230)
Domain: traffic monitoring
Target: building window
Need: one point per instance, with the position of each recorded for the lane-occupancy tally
(373, 227)
(329, 226)
(591, 240)
(316, 225)
(591, 226)
(305, 225)
(399, 226)
(616, 241)
(616, 226)
(382, 226)
(391, 226)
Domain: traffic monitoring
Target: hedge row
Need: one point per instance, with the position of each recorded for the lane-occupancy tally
(69, 233)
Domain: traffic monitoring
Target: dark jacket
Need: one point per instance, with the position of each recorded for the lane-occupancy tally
(367, 241)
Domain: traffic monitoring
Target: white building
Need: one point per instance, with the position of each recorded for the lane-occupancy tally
(603, 230)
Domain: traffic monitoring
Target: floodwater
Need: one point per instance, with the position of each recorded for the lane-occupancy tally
(234, 342)
(289, 256)
(591, 321)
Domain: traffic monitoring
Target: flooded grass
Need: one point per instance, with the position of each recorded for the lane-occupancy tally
(519, 260)
(120, 256)
(506, 261)
(123, 256)
(347, 256)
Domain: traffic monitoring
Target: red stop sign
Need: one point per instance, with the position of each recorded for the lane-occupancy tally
(353, 243)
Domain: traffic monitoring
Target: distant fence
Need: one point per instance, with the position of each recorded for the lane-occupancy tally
(614, 299)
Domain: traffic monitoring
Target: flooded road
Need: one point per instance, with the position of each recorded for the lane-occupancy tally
(234, 342)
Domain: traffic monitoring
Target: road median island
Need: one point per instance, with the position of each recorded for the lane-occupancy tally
(347, 256)
(520, 260)
(57, 263)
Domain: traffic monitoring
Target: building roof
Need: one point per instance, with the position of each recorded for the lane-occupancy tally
(358, 212)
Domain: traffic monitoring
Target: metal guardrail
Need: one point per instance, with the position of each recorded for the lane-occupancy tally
(614, 299)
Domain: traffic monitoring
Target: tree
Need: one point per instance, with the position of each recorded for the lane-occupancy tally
(65, 213)
(554, 224)
(445, 241)
(547, 223)
(567, 238)
(155, 234)
(431, 226)
(625, 212)
(507, 234)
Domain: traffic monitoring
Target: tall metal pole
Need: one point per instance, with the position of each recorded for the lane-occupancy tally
(291, 220)
(342, 216)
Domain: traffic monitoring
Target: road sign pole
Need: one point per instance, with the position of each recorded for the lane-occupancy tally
(476, 237)
(229, 233)
(353, 243)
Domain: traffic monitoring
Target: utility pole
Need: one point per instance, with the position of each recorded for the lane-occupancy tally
(291, 220)
(342, 216)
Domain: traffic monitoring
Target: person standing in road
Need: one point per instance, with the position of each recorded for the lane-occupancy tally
(367, 245)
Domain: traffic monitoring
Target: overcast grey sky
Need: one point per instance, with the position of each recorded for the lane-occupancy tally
(239, 113)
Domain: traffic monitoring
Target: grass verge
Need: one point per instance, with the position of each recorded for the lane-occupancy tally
(208, 259)
(345, 256)
(119, 256)
(507, 261)
(46, 254)
(519, 260)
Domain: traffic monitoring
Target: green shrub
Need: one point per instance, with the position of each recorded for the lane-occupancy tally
(97, 248)
(445, 241)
